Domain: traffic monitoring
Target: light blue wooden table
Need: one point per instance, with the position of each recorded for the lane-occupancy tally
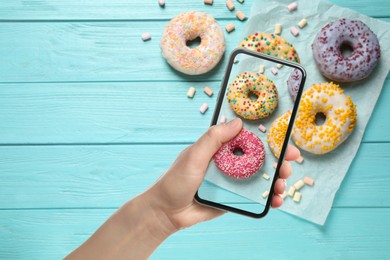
(90, 116)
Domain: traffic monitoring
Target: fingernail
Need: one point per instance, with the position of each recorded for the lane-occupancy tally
(233, 123)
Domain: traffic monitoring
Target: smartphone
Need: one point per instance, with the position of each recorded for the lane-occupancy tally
(251, 194)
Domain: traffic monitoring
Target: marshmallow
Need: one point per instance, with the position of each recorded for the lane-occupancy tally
(302, 23)
(146, 36)
(161, 3)
(262, 68)
(309, 181)
(204, 108)
(262, 128)
(230, 27)
(191, 92)
(230, 5)
(209, 92)
(240, 15)
(297, 197)
(299, 184)
(294, 31)
(278, 29)
(292, 6)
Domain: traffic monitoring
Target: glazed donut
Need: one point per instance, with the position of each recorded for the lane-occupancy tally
(252, 83)
(331, 62)
(293, 82)
(340, 113)
(277, 132)
(186, 27)
(245, 165)
(270, 44)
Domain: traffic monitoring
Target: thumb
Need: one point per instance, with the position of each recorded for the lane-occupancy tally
(209, 143)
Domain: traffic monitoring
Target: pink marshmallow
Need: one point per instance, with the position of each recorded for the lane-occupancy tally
(294, 31)
(274, 70)
(209, 92)
(146, 36)
(204, 108)
(309, 181)
(300, 159)
(292, 6)
(223, 119)
(262, 128)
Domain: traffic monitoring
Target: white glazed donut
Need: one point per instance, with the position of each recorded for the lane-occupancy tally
(340, 113)
(186, 27)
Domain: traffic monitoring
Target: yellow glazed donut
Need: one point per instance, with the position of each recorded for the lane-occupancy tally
(272, 45)
(238, 95)
(186, 27)
(277, 132)
(340, 113)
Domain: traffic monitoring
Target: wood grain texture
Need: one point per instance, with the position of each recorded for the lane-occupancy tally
(78, 136)
(349, 234)
(107, 176)
(129, 112)
(93, 51)
(149, 9)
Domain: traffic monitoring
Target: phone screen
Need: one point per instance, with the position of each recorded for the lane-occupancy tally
(264, 92)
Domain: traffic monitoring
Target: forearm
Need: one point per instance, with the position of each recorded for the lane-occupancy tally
(133, 232)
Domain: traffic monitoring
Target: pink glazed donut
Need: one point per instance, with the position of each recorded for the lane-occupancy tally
(330, 60)
(243, 166)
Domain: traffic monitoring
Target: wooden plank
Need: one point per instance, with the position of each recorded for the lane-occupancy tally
(124, 9)
(348, 234)
(88, 51)
(130, 112)
(117, 9)
(107, 176)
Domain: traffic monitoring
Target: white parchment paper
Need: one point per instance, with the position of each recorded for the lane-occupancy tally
(328, 170)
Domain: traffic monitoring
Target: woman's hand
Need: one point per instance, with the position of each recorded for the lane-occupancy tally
(174, 192)
(143, 223)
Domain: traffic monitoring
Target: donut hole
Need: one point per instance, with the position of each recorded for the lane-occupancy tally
(320, 118)
(238, 151)
(252, 96)
(193, 43)
(346, 49)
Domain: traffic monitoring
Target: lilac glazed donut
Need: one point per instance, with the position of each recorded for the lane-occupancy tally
(245, 165)
(293, 82)
(186, 27)
(333, 64)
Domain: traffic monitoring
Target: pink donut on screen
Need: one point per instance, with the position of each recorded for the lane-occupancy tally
(333, 64)
(243, 166)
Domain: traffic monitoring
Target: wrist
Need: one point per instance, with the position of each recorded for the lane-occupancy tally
(146, 219)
